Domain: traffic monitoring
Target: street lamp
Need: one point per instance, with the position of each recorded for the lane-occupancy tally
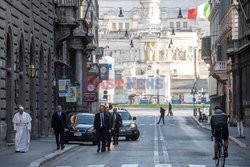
(31, 71)
(120, 12)
(180, 14)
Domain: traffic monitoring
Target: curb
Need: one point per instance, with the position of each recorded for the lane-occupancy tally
(46, 158)
(238, 142)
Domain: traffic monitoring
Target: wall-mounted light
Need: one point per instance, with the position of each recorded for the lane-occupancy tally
(31, 71)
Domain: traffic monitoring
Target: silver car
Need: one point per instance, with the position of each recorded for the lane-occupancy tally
(129, 128)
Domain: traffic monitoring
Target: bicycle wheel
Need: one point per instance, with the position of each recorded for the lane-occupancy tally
(217, 162)
(222, 161)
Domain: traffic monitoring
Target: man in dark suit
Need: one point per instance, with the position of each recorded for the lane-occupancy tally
(58, 124)
(101, 125)
(116, 124)
(109, 134)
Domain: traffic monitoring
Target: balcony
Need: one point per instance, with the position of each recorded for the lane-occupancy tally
(206, 49)
(219, 71)
(66, 11)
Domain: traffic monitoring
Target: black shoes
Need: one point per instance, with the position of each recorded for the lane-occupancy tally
(103, 150)
(215, 157)
(62, 147)
(57, 148)
(98, 150)
(226, 154)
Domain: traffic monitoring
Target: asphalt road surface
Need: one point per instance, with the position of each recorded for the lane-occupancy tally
(178, 143)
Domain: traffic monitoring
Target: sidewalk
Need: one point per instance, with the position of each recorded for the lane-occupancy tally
(233, 132)
(41, 151)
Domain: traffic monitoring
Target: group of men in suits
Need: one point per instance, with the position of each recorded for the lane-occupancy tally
(107, 123)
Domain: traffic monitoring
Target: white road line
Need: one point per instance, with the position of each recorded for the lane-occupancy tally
(96, 166)
(156, 153)
(163, 165)
(130, 165)
(197, 165)
(164, 146)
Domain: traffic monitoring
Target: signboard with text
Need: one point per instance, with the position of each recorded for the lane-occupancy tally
(90, 96)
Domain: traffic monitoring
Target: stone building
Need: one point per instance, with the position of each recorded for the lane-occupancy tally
(27, 38)
(238, 51)
(224, 23)
(153, 39)
(57, 38)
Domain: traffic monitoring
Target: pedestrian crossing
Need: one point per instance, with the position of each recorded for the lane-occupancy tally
(155, 165)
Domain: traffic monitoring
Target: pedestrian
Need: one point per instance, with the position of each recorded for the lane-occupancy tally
(109, 134)
(110, 108)
(22, 129)
(116, 124)
(59, 124)
(162, 111)
(101, 125)
(170, 112)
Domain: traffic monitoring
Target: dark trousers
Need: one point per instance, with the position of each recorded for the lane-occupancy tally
(109, 135)
(59, 138)
(161, 118)
(101, 139)
(115, 136)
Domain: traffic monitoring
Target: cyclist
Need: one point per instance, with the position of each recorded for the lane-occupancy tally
(218, 123)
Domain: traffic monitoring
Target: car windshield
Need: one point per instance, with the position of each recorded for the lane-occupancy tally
(125, 115)
(85, 119)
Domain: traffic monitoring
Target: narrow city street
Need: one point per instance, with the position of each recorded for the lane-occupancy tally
(178, 143)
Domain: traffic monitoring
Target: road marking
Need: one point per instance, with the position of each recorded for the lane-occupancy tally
(96, 166)
(156, 153)
(163, 165)
(197, 165)
(164, 146)
(130, 165)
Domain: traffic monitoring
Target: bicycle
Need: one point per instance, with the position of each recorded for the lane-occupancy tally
(220, 151)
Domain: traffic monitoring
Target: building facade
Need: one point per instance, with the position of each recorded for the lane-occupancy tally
(149, 45)
(57, 38)
(226, 34)
(27, 38)
(238, 51)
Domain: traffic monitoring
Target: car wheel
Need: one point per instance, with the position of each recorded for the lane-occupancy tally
(127, 138)
(135, 136)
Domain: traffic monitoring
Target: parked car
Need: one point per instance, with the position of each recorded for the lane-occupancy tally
(129, 128)
(81, 128)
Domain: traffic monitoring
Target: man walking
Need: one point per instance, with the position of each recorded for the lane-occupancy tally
(116, 124)
(170, 112)
(58, 124)
(162, 111)
(101, 125)
(109, 135)
(22, 128)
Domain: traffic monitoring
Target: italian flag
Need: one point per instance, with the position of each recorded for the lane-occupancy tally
(202, 11)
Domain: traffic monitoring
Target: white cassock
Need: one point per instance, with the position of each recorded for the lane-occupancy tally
(22, 125)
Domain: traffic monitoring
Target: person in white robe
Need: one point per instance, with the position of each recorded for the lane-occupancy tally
(22, 128)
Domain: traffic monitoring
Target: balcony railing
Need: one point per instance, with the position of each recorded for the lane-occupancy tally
(220, 66)
(66, 11)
